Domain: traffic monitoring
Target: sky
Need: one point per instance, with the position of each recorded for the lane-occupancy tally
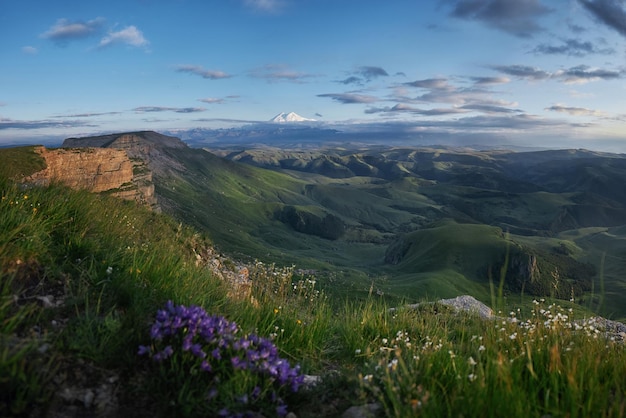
(548, 73)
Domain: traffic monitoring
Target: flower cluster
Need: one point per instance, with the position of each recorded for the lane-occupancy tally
(216, 344)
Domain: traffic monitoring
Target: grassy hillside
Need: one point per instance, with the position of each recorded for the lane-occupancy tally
(390, 196)
(446, 204)
(84, 281)
(20, 161)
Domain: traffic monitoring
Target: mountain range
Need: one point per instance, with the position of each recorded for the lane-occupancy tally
(409, 222)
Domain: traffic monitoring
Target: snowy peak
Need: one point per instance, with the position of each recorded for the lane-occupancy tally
(289, 117)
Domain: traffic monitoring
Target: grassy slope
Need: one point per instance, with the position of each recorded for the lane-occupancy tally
(532, 196)
(112, 264)
(235, 204)
(20, 161)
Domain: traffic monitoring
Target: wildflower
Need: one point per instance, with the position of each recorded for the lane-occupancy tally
(385, 341)
(471, 377)
(198, 333)
(357, 351)
(471, 361)
(109, 270)
(281, 410)
(481, 348)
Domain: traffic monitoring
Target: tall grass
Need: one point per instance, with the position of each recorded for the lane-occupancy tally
(456, 365)
(82, 277)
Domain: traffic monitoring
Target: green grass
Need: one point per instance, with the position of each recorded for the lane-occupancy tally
(111, 265)
(20, 162)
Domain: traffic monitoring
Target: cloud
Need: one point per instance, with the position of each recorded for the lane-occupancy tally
(364, 74)
(276, 72)
(87, 115)
(430, 83)
(610, 12)
(485, 81)
(523, 71)
(575, 75)
(30, 50)
(489, 108)
(268, 6)
(6, 123)
(130, 35)
(513, 122)
(349, 98)
(217, 100)
(352, 80)
(517, 17)
(584, 74)
(440, 90)
(65, 30)
(572, 47)
(198, 70)
(404, 108)
(370, 73)
(150, 109)
(211, 100)
(574, 111)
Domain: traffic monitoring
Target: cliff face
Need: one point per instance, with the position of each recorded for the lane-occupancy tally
(98, 170)
(148, 146)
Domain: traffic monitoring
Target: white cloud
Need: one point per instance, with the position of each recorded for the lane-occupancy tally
(65, 30)
(130, 35)
(30, 50)
(202, 72)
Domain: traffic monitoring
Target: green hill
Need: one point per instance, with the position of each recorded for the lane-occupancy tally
(457, 214)
(110, 309)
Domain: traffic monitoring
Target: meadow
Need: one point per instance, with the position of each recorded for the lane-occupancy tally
(106, 309)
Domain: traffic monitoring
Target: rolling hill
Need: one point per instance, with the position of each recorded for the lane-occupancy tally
(409, 223)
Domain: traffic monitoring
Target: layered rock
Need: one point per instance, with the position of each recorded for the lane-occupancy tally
(97, 170)
(148, 146)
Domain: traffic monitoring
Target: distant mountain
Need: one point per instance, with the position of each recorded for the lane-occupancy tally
(289, 117)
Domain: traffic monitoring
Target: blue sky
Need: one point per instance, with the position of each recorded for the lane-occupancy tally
(527, 72)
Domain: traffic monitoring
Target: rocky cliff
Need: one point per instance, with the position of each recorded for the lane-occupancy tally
(98, 170)
(148, 146)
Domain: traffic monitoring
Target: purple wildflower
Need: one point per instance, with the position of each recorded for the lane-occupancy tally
(198, 333)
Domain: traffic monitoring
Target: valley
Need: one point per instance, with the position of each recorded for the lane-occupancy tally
(319, 251)
(443, 221)
(406, 223)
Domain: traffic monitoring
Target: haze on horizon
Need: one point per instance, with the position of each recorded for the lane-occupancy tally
(532, 73)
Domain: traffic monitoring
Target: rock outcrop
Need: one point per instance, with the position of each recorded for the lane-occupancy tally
(148, 146)
(98, 170)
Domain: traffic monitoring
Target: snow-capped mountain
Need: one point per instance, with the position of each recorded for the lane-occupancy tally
(289, 117)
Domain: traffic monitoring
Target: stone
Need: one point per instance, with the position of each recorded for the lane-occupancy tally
(463, 303)
(468, 304)
(97, 170)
